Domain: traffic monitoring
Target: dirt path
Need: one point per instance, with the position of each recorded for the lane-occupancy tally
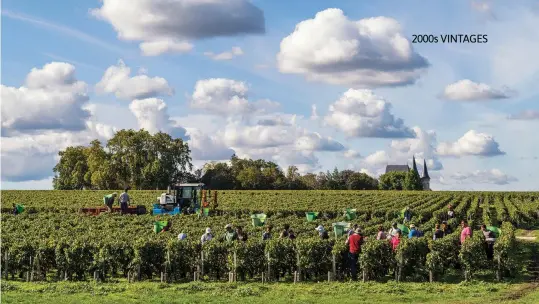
(527, 238)
(520, 292)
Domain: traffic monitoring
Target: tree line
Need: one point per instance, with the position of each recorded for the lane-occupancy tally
(144, 161)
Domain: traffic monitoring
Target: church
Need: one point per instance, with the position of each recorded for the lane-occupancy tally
(425, 179)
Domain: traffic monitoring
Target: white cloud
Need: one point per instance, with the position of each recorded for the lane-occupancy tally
(352, 154)
(207, 147)
(400, 152)
(152, 116)
(117, 80)
(316, 142)
(471, 143)
(467, 90)
(314, 113)
(493, 176)
(360, 113)
(222, 96)
(235, 52)
(160, 23)
(51, 99)
(525, 115)
(365, 53)
(158, 47)
(32, 156)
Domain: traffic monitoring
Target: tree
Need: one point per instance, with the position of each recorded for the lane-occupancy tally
(361, 181)
(71, 169)
(412, 181)
(392, 180)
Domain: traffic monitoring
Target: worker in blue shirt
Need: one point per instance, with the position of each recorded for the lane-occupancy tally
(413, 232)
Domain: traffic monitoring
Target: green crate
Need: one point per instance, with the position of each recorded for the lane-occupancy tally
(340, 228)
(311, 216)
(159, 225)
(497, 231)
(258, 220)
(351, 214)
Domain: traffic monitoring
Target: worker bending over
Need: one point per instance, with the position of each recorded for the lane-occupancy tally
(109, 200)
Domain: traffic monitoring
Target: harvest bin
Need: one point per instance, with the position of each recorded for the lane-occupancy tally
(206, 211)
(311, 216)
(339, 228)
(403, 229)
(350, 214)
(158, 226)
(20, 208)
(497, 231)
(258, 219)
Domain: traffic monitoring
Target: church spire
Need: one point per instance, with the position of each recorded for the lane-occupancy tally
(414, 165)
(425, 172)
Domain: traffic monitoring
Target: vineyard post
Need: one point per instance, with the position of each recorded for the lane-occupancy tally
(431, 276)
(235, 264)
(269, 266)
(329, 276)
(129, 277)
(298, 265)
(202, 263)
(138, 273)
(31, 268)
(5, 267)
(162, 277)
(334, 267)
(499, 269)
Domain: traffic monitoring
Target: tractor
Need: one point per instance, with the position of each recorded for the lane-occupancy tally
(186, 199)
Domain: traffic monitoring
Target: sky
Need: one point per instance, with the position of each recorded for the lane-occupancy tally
(310, 83)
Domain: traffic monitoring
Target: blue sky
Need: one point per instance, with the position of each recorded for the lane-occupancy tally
(453, 101)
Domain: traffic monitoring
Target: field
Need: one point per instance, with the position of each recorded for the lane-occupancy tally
(53, 242)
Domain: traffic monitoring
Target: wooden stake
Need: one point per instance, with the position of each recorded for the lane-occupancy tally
(334, 266)
(269, 266)
(431, 276)
(329, 276)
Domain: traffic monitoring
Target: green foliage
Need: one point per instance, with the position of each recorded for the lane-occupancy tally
(394, 180)
(505, 252)
(472, 255)
(411, 257)
(134, 158)
(376, 258)
(412, 181)
(443, 253)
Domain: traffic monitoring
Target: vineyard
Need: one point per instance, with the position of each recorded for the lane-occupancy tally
(52, 241)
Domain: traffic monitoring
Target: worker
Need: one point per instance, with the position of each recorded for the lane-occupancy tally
(291, 235)
(413, 232)
(230, 235)
(395, 240)
(242, 236)
(446, 228)
(109, 200)
(466, 231)
(354, 242)
(207, 236)
(381, 233)
(15, 210)
(124, 201)
(450, 212)
(489, 241)
(407, 214)
(352, 230)
(438, 233)
(285, 233)
(393, 231)
(267, 234)
(322, 232)
(182, 236)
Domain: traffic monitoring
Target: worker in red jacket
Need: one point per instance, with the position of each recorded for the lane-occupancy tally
(354, 242)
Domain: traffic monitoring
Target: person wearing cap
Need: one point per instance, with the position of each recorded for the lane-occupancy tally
(182, 236)
(446, 228)
(413, 232)
(393, 231)
(354, 243)
(322, 232)
(230, 234)
(109, 200)
(207, 236)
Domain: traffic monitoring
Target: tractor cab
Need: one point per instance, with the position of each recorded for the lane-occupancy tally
(186, 198)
